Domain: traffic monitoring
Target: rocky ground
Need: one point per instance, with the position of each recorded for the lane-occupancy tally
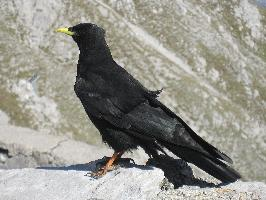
(129, 181)
(35, 165)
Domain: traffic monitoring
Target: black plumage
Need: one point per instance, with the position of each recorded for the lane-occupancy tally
(129, 115)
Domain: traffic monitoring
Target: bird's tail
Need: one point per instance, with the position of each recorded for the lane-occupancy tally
(209, 164)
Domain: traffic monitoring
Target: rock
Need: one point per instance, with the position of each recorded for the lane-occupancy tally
(238, 190)
(4, 119)
(128, 182)
(23, 147)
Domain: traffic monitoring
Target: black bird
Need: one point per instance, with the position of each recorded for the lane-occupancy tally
(128, 115)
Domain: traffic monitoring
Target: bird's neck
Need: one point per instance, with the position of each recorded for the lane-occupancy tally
(94, 56)
(90, 59)
(94, 51)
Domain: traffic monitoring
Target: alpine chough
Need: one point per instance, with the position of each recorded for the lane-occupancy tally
(128, 115)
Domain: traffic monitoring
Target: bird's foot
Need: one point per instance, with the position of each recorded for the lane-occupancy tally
(101, 172)
(107, 167)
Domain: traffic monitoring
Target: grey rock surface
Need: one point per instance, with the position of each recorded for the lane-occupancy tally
(130, 182)
(23, 147)
(234, 191)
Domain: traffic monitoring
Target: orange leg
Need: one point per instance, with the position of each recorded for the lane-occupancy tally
(109, 165)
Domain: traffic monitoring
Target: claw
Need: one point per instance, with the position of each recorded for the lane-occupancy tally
(107, 167)
(99, 173)
(102, 171)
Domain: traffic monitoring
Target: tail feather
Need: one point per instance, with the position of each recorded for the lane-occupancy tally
(208, 147)
(211, 165)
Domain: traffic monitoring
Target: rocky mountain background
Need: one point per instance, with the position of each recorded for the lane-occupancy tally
(209, 56)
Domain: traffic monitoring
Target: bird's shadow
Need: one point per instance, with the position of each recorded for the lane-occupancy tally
(176, 171)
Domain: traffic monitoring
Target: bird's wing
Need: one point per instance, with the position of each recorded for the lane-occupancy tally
(155, 122)
(110, 95)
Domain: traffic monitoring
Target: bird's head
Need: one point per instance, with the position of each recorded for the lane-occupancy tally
(89, 37)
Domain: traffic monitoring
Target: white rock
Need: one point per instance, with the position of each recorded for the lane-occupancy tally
(70, 183)
(4, 119)
(237, 190)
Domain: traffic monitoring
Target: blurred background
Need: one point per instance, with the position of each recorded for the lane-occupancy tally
(209, 56)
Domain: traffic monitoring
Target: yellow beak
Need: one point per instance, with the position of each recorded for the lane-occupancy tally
(66, 31)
